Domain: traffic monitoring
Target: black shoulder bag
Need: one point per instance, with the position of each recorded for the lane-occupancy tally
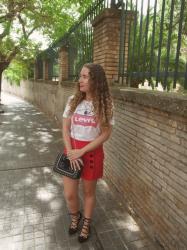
(62, 166)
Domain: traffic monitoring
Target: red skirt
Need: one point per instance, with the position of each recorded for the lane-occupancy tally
(93, 161)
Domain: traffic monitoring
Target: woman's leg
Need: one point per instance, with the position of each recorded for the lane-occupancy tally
(71, 194)
(72, 199)
(89, 190)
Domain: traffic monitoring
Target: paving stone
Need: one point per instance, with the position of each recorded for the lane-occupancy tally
(28, 236)
(28, 244)
(17, 230)
(104, 226)
(39, 241)
(17, 238)
(6, 243)
(28, 229)
(139, 244)
(50, 246)
(111, 241)
(17, 246)
(40, 247)
(127, 235)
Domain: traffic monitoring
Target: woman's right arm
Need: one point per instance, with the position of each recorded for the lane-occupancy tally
(66, 133)
(66, 130)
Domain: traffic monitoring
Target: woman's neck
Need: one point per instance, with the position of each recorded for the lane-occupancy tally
(88, 97)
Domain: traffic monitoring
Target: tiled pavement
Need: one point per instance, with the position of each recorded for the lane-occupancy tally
(33, 213)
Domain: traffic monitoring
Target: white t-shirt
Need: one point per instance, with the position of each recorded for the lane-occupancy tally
(84, 126)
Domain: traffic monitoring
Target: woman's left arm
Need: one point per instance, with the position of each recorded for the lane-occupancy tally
(77, 153)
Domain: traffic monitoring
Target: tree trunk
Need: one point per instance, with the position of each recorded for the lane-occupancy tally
(3, 66)
(1, 111)
(0, 84)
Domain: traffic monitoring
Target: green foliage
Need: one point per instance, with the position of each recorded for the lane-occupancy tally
(20, 19)
(17, 71)
(56, 69)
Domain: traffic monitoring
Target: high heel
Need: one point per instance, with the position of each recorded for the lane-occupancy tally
(75, 219)
(85, 231)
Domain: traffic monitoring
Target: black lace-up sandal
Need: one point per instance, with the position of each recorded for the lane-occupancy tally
(85, 231)
(75, 219)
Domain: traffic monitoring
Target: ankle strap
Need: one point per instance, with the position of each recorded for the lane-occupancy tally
(87, 219)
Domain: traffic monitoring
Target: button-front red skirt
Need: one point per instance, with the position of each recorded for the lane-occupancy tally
(93, 161)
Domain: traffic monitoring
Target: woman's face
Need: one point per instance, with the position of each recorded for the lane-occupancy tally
(84, 80)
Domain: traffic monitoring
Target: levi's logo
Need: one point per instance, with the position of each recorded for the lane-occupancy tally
(84, 120)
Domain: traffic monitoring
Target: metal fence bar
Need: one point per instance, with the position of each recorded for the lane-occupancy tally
(122, 39)
(160, 42)
(125, 63)
(40, 69)
(91, 40)
(87, 40)
(129, 48)
(153, 40)
(84, 41)
(140, 34)
(134, 43)
(169, 43)
(179, 42)
(146, 38)
(113, 3)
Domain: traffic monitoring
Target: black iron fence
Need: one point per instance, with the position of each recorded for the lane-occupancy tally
(153, 42)
(79, 39)
(157, 43)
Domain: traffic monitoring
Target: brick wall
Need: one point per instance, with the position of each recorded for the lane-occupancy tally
(146, 157)
(149, 143)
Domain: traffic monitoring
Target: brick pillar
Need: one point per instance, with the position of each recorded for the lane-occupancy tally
(47, 69)
(63, 63)
(106, 42)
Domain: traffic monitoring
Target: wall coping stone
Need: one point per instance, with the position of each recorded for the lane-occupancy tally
(173, 103)
(68, 83)
(107, 13)
(111, 13)
(44, 81)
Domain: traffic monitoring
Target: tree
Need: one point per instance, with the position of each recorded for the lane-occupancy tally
(19, 19)
(17, 70)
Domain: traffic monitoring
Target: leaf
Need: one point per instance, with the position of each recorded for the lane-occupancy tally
(19, 19)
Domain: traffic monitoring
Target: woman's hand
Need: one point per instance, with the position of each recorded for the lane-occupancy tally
(75, 154)
(76, 164)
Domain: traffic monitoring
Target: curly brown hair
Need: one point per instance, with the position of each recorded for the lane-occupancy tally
(102, 100)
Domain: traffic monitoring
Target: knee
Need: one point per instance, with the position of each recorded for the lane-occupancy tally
(70, 196)
(89, 194)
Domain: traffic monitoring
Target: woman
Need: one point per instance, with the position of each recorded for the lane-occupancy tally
(87, 121)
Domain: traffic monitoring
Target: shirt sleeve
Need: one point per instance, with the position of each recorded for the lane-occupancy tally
(66, 113)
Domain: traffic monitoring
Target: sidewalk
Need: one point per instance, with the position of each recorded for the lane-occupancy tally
(33, 213)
